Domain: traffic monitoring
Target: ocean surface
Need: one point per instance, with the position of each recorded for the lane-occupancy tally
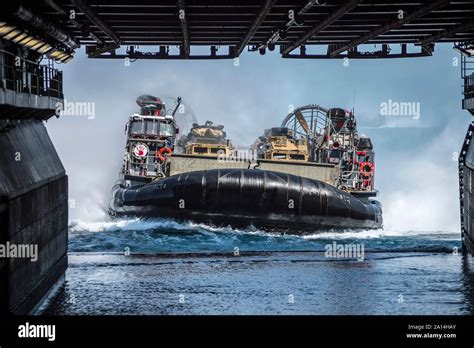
(134, 266)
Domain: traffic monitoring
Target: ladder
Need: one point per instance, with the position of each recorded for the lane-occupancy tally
(462, 162)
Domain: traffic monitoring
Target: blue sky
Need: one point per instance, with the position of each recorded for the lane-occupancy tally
(416, 171)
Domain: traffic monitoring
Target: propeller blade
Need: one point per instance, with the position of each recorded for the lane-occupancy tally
(302, 121)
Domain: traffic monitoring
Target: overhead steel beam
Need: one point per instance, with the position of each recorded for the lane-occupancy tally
(254, 27)
(55, 6)
(363, 55)
(46, 27)
(157, 56)
(277, 34)
(341, 11)
(91, 16)
(448, 33)
(390, 26)
(184, 27)
(74, 22)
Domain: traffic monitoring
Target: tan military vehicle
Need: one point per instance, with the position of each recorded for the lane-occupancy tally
(207, 140)
(279, 143)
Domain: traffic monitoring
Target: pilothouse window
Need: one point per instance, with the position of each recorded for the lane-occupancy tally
(136, 127)
(166, 130)
(151, 127)
(365, 143)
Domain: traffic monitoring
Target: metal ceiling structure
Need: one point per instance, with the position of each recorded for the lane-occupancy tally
(228, 27)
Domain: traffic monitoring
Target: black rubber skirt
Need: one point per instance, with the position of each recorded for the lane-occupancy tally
(244, 197)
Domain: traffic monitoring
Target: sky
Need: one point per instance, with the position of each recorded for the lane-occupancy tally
(416, 153)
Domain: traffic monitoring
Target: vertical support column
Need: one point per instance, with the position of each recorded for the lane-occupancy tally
(466, 191)
(466, 158)
(3, 262)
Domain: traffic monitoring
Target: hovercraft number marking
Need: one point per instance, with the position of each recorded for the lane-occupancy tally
(140, 150)
(160, 187)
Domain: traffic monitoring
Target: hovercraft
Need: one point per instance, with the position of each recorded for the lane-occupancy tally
(314, 172)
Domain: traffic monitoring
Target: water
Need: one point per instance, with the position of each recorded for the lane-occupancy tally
(186, 268)
(164, 235)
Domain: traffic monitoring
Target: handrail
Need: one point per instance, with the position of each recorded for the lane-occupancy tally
(467, 73)
(357, 182)
(469, 86)
(26, 76)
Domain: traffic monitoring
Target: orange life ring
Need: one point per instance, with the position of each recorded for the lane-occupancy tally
(363, 169)
(159, 154)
